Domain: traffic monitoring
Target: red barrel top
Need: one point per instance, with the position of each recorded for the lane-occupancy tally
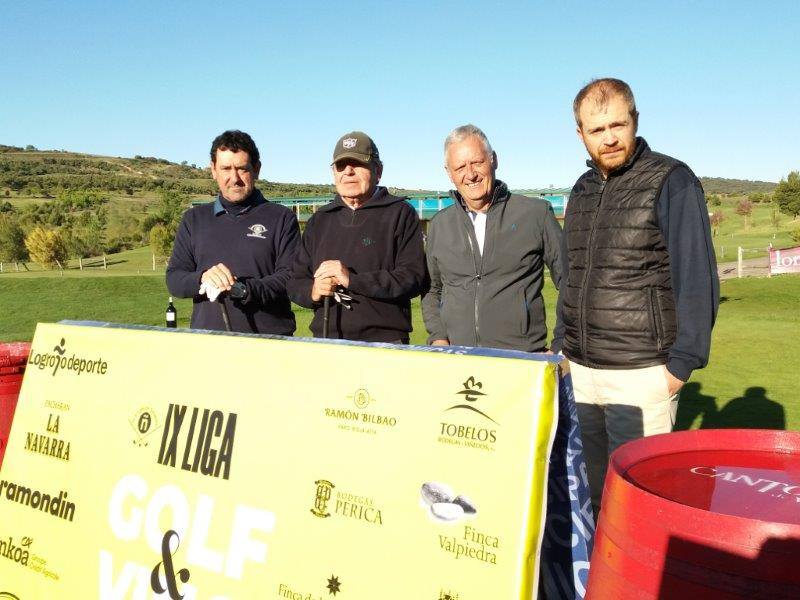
(14, 353)
(711, 514)
(755, 485)
(744, 473)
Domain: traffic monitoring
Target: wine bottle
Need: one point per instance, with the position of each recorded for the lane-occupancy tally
(172, 314)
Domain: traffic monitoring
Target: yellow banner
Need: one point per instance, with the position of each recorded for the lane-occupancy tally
(167, 464)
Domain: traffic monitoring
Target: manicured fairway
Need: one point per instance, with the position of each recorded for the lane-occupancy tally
(752, 380)
(753, 377)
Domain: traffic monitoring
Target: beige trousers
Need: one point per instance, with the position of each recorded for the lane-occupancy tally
(616, 406)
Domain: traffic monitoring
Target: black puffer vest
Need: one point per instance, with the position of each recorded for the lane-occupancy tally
(618, 306)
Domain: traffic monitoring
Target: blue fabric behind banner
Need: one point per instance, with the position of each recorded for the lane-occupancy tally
(569, 529)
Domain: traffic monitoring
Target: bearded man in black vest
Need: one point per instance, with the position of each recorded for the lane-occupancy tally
(639, 291)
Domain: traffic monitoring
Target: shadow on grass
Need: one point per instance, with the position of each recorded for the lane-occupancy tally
(99, 263)
(753, 410)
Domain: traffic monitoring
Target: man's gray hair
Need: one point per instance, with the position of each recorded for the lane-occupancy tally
(459, 134)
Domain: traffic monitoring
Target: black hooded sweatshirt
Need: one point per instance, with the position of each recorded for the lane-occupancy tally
(380, 243)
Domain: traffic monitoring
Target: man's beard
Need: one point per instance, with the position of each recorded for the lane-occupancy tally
(611, 162)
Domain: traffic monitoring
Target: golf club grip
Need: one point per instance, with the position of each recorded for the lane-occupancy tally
(326, 313)
(224, 310)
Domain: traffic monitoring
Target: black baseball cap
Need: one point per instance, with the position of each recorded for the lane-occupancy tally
(358, 146)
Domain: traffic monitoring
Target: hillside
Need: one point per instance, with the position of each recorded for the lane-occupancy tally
(42, 173)
(736, 187)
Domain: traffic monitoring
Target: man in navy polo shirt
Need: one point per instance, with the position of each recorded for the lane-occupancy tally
(240, 237)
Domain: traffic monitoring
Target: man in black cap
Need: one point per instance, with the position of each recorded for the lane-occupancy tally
(364, 249)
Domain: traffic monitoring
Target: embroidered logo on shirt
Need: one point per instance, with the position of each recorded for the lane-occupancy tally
(257, 231)
(366, 241)
(349, 143)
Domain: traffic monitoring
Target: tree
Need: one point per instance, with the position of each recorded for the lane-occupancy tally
(46, 247)
(716, 220)
(744, 208)
(84, 240)
(775, 217)
(714, 200)
(73, 200)
(94, 232)
(161, 240)
(787, 194)
(12, 241)
(169, 212)
(758, 197)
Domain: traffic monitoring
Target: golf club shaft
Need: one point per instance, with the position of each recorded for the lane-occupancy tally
(326, 313)
(224, 309)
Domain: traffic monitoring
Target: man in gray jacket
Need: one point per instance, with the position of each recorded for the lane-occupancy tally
(486, 255)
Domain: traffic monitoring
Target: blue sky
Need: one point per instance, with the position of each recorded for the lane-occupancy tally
(717, 83)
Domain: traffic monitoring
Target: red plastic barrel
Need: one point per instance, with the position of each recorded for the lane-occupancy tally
(705, 514)
(12, 367)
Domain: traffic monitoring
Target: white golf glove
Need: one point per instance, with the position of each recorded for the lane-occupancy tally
(209, 290)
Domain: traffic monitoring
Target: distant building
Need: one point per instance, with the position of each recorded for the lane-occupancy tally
(558, 197)
(426, 205)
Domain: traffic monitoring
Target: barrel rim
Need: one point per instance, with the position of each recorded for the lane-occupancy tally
(678, 442)
(14, 353)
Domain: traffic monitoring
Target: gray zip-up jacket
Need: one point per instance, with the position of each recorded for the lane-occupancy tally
(495, 299)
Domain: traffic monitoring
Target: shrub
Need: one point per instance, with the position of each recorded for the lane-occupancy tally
(46, 247)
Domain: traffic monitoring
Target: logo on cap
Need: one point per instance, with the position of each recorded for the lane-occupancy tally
(349, 143)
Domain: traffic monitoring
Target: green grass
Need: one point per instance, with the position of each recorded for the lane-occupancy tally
(28, 300)
(756, 238)
(138, 200)
(130, 262)
(140, 300)
(751, 380)
(752, 377)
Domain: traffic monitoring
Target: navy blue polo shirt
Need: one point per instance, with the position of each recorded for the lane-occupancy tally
(258, 245)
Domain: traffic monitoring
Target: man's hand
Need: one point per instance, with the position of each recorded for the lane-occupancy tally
(335, 269)
(440, 343)
(674, 384)
(220, 277)
(323, 286)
